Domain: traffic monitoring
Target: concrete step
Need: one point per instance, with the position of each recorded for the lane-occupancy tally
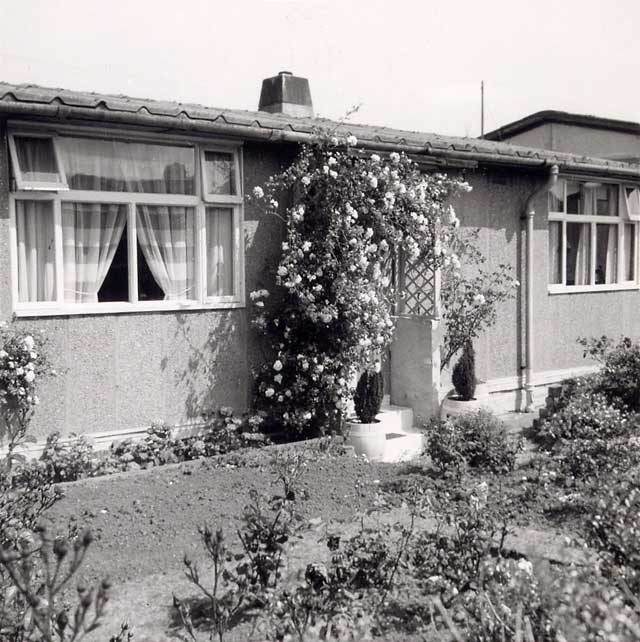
(403, 446)
(397, 419)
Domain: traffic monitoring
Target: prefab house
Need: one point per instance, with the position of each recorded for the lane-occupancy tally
(126, 238)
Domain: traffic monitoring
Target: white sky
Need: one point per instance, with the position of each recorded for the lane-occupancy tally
(414, 64)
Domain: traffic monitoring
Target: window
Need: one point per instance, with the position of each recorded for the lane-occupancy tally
(120, 225)
(592, 236)
(36, 163)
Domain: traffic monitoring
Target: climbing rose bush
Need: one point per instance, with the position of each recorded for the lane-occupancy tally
(470, 295)
(346, 214)
(22, 365)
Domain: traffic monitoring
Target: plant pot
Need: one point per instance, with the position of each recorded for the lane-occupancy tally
(367, 439)
(453, 407)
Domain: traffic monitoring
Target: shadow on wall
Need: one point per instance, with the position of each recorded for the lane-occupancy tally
(213, 371)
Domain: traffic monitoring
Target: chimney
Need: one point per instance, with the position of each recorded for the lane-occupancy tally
(286, 94)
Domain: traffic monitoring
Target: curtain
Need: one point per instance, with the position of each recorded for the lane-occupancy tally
(611, 264)
(629, 251)
(555, 252)
(578, 254)
(219, 230)
(90, 236)
(166, 237)
(121, 166)
(582, 276)
(36, 251)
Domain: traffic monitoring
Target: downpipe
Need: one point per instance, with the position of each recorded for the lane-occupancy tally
(528, 216)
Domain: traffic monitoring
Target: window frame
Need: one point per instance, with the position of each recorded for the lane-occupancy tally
(37, 186)
(59, 195)
(593, 220)
(207, 197)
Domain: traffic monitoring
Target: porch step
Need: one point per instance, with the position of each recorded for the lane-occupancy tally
(403, 446)
(402, 440)
(396, 418)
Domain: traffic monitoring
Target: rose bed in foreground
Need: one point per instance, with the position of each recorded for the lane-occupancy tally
(145, 521)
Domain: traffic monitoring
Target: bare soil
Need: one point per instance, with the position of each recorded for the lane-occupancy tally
(145, 521)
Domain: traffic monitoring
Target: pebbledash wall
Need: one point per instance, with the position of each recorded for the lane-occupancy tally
(117, 373)
(496, 206)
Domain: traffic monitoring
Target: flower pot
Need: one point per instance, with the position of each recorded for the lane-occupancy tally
(454, 407)
(367, 439)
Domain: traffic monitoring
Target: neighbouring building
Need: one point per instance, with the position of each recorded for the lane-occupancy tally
(574, 133)
(125, 236)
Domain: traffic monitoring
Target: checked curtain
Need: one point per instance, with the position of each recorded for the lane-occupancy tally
(90, 235)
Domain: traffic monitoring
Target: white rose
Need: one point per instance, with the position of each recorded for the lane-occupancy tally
(20, 371)
(277, 365)
(3, 354)
(375, 158)
(525, 565)
(282, 271)
(30, 376)
(258, 192)
(269, 392)
(278, 378)
(305, 180)
(352, 140)
(29, 342)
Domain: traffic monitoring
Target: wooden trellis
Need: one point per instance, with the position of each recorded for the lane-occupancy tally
(417, 288)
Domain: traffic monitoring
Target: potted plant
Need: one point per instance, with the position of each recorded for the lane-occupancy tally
(470, 394)
(366, 434)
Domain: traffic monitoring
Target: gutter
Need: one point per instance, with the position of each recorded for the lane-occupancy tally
(220, 127)
(528, 216)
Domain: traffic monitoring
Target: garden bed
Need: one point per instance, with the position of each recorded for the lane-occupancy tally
(145, 521)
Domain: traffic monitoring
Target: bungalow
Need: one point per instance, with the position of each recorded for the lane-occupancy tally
(126, 238)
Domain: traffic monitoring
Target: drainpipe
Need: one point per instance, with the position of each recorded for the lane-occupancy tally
(529, 214)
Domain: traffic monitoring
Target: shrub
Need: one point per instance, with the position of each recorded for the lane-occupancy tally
(368, 396)
(246, 580)
(619, 378)
(67, 461)
(585, 415)
(614, 532)
(464, 373)
(443, 446)
(584, 458)
(479, 439)
(39, 568)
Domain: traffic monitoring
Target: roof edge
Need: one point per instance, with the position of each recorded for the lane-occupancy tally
(554, 116)
(67, 107)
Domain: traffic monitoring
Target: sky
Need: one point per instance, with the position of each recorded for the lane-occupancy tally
(410, 64)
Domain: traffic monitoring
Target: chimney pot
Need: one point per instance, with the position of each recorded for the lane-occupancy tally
(286, 94)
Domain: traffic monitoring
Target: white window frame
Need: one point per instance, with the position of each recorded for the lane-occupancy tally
(593, 220)
(220, 198)
(21, 182)
(61, 308)
(631, 202)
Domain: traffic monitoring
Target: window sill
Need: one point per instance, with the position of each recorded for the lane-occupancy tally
(53, 310)
(581, 289)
